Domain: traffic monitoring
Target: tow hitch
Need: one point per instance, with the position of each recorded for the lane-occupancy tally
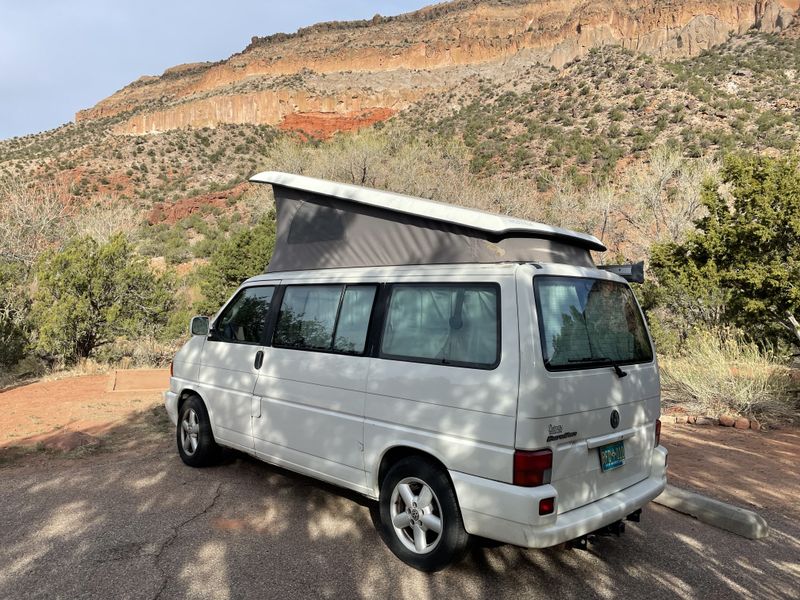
(616, 528)
(579, 543)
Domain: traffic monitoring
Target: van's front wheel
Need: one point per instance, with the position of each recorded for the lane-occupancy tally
(196, 443)
(420, 519)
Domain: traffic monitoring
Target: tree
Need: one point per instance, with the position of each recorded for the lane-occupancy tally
(89, 294)
(747, 246)
(14, 308)
(243, 255)
(34, 217)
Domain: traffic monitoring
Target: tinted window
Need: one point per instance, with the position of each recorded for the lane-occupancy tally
(443, 324)
(351, 328)
(585, 321)
(244, 318)
(307, 317)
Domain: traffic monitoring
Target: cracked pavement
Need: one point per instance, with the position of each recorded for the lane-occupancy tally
(137, 523)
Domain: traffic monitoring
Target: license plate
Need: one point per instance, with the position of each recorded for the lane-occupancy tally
(612, 456)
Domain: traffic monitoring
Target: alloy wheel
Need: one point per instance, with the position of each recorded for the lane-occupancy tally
(416, 515)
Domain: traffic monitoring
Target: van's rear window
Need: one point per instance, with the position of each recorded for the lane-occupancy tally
(588, 322)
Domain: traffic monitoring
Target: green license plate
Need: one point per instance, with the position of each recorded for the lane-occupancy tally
(612, 456)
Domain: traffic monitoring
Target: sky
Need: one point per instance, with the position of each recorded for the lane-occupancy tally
(57, 57)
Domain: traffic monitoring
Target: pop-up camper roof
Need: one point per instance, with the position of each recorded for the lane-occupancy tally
(323, 224)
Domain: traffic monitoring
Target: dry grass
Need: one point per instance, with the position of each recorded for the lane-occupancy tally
(36, 216)
(722, 373)
(407, 162)
(104, 219)
(143, 353)
(32, 219)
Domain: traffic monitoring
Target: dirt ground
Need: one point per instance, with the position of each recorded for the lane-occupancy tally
(755, 470)
(65, 414)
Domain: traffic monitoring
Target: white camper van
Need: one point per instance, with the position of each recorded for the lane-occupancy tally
(475, 374)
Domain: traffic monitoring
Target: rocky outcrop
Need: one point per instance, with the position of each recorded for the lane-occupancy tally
(267, 108)
(776, 16)
(391, 62)
(324, 125)
(172, 212)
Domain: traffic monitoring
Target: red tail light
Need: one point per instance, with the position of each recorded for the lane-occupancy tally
(658, 432)
(170, 369)
(532, 468)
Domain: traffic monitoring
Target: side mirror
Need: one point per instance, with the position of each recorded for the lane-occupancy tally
(199, 326)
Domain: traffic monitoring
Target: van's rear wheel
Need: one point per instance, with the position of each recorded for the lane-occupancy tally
(420, 519)
(196, 443)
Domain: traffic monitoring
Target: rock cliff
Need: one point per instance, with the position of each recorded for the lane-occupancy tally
(339, 76)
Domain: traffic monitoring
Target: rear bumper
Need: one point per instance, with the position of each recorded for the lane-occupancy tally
(510, 514)
(171, 404)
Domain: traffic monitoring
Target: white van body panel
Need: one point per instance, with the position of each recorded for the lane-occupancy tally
(465, 417)
(226, 379)
(335, 417)
(311, 412)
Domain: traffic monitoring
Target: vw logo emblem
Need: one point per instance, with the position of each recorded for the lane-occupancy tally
(614, 419)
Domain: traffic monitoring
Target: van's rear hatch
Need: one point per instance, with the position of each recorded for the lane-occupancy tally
(590, 389)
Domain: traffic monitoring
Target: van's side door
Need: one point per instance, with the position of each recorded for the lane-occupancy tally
(311, 389)
(232, 356)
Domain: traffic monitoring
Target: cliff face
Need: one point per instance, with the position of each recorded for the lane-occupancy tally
(345, 75)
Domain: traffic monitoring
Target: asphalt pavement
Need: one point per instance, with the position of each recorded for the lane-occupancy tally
(137, 523)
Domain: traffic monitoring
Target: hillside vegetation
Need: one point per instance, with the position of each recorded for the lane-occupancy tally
(641, 153)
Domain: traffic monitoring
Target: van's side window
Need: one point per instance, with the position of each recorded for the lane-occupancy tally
(307, 317)
(351, 328)
(332, 318)
(243, 320)
(446, 324)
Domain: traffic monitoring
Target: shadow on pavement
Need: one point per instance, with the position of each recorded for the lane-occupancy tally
(132, 521)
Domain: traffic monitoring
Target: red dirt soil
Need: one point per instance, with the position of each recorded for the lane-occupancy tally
(66, 413)
(322, 125)
(751, 469)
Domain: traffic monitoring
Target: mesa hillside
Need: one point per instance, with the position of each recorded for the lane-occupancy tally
(348, 75)
(630, 120)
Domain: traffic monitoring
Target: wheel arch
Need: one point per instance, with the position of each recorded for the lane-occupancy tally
(188, 392)
(392, 454)
(184, 395)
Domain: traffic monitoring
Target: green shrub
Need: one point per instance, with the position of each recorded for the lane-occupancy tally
(747, 246)
(14, 309)
(89, 294)
(616, 114)
(244, 255)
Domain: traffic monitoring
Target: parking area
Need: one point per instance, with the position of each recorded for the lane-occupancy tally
(129, 520)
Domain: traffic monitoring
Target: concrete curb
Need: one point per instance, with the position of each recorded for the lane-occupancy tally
(713, 512)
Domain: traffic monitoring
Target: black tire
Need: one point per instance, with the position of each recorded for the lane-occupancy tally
(443, 548)
(202, 450)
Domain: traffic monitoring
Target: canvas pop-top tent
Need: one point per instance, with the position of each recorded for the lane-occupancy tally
(324, 224)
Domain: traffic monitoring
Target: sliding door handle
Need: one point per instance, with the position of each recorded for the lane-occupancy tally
(259, 360)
